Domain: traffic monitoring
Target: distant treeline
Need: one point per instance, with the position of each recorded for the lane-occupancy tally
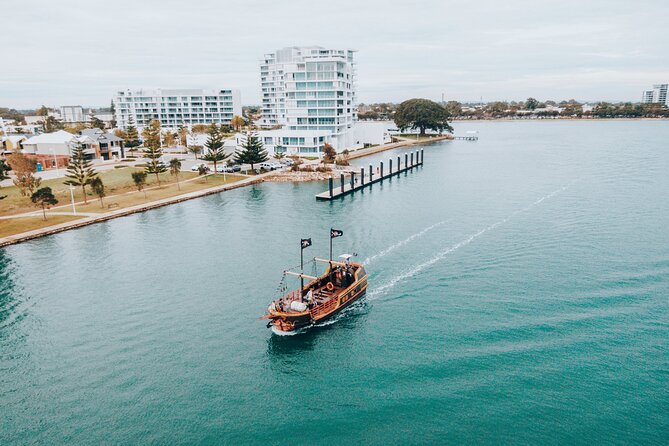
(528, 109)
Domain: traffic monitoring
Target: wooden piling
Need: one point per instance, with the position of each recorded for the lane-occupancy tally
(411, 160)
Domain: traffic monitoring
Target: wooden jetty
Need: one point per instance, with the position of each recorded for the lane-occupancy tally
(367, 177)
(467, 138)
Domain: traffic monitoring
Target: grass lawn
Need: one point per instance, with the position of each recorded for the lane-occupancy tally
(13, 226)
(115, 181)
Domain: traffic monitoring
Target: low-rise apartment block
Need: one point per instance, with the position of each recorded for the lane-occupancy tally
(176, 108)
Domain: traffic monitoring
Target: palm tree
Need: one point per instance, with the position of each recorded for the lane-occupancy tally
(99, 189)
(175, 168)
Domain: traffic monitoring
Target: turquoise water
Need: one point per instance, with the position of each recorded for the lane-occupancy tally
(519, 293)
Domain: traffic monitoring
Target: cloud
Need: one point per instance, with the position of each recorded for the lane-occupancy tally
(68, 51)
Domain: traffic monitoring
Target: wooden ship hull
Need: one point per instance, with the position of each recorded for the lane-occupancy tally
(321, 299)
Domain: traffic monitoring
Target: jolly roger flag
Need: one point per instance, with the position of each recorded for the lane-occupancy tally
(336, 233)
(306, 242)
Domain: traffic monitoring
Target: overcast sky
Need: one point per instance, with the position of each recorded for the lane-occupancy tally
(65, 52)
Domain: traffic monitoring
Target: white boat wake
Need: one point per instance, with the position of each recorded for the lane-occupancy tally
(391, 248)
(377, 292)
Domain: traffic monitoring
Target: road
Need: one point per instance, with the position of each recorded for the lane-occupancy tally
(187, 162)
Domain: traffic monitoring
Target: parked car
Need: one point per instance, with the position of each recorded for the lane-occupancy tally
(266, 166)
(287, 162)
(236, 168)
(196, 167)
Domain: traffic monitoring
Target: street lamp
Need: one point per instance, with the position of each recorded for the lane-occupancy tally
(74, 209)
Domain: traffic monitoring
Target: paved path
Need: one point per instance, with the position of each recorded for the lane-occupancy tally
(39, 214)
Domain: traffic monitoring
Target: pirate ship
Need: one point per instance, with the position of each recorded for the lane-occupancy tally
(342, 283)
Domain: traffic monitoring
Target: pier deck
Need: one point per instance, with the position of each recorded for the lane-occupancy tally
(354, 181)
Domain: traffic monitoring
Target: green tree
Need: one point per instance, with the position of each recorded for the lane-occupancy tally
(99, 189)
(169, 139)
(139, 178)
(51, 124)
(215, 152)
(12, 115)
(4, 168)
(112, 110)
(498, 107)
(42, 111)
(131, 139)
(183, 136)
(175, 169)
(531, 104)
(329, 153)
(237, 122)
(96, 123)
(202, 170)
(422, 114)
(252, 152)
(24, 168)
(80, 170)
(44, 198)
(454, 108)
(195, 150)
(152, 150)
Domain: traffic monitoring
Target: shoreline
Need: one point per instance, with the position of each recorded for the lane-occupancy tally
(557, 119)
(279, 177)
(61, 227)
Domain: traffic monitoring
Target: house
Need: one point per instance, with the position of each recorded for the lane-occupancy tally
(50, 149)
(12, 143)
(107, 145)
(34, 120)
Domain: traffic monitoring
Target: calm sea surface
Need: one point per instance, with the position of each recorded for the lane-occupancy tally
(519, 293)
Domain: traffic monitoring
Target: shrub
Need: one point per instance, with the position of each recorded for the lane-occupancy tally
(323, 169)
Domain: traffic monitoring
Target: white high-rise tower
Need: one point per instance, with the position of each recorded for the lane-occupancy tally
(310, 92)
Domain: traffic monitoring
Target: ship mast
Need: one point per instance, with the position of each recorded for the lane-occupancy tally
(304, 243)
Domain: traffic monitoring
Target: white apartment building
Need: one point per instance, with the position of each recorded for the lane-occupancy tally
(310, 93)
(657, 95)
(72, 113)
(177, 108)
